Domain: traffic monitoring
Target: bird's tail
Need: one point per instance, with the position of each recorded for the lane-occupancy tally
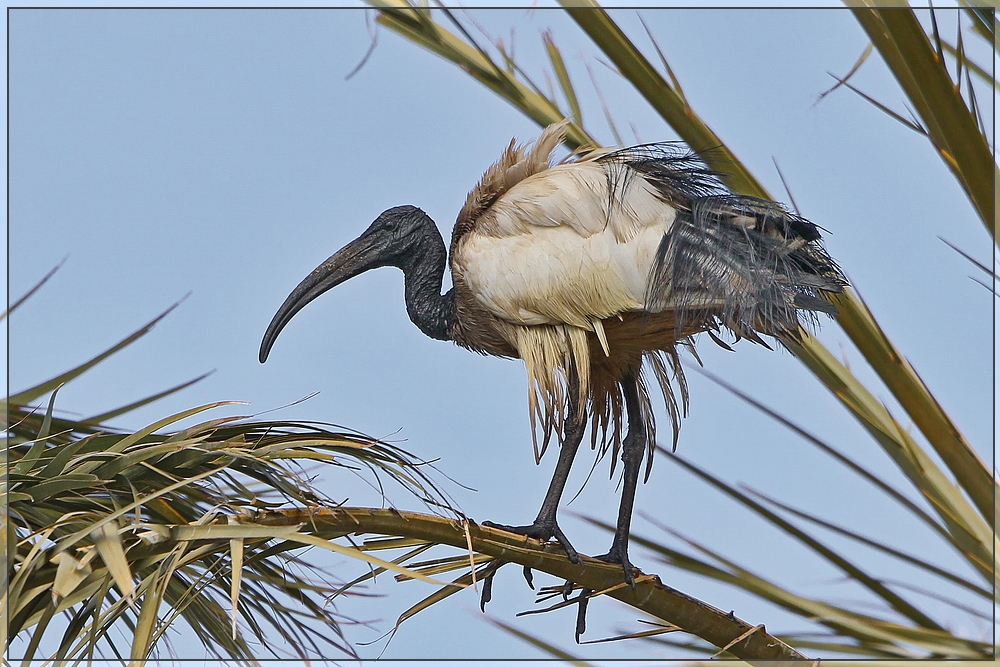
(746, 264)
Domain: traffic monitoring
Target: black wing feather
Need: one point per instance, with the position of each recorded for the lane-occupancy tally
(742, 262)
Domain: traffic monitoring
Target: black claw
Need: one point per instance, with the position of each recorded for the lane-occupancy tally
(567, 589)
(571, 553)
(487, 593)
(528, 577)
(629, 575)
(581, 613)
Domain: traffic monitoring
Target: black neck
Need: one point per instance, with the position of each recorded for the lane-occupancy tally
(431, 311)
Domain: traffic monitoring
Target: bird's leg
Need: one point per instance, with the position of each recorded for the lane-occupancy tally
(633, 450)
(545, 527)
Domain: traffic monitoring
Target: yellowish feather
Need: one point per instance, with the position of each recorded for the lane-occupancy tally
(601, 336)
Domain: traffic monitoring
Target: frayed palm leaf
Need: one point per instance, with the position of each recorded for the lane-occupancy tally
(102, 528)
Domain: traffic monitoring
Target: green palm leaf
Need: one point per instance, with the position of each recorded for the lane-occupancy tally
(108, 527)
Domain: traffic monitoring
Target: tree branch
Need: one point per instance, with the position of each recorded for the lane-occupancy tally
(650, 594)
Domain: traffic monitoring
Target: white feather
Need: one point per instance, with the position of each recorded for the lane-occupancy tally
(555, 249)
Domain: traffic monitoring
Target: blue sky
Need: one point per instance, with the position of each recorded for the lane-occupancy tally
(223, 153)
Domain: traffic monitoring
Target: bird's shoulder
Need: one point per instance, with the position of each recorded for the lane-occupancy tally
(571, 195)
(516, 163)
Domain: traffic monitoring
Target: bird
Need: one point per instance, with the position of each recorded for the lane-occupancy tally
(595, 270)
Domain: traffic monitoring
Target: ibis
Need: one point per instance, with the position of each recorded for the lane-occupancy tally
(593, 269)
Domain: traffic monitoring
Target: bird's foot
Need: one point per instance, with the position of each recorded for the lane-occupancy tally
(541, 530)
(581, 599)
(620, 555)
(615, 555)
(487, 593)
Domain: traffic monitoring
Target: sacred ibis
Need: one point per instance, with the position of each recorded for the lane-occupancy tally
(584, 270)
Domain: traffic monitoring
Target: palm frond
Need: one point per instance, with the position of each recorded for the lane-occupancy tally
(107, 527)
(951, 124)
(110, 533)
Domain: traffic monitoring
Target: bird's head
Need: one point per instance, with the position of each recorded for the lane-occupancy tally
(399, 237)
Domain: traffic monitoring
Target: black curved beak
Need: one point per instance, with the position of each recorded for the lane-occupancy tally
(353, 259)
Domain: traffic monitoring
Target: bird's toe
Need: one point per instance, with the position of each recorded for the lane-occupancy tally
(535, 530)
(561, 538)
(581, 612)
(543, 531)
(621, 558)
(487, 593)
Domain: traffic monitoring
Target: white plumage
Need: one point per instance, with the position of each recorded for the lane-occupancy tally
(554, 249)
